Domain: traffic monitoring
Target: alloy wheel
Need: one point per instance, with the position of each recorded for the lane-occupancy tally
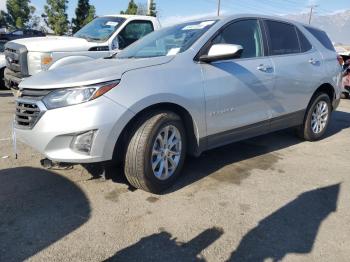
(319, 117)
(166, 152)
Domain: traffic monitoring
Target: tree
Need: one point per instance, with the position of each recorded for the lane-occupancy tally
(142, 9)
(132, 9)
(56, 16)
(152, 8)
(3, 19)
(19, 12)
(34, 22)
(37, 23)
(84, 13)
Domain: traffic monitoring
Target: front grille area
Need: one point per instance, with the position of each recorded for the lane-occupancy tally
(16, 58)
(12, 59)
(34, 94)
(27, 114)
(28, 109)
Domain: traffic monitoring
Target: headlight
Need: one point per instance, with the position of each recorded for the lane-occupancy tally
(38, 62)
(78, 95)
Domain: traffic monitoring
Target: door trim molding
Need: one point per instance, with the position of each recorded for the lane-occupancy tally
(253, 130)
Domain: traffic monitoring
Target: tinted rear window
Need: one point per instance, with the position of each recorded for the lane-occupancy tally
(322, 37)
(283, 38)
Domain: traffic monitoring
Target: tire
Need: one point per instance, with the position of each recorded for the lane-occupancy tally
(309, 131)
(345, 95)
(2, 81)
(140, 156)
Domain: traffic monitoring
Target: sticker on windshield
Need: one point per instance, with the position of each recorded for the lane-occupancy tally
(206, 23)
(111, 23)
(173, 51)
(198, 26)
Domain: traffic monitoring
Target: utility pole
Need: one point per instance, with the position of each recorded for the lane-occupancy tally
(148, 7)
(312, 7)
(219, 6)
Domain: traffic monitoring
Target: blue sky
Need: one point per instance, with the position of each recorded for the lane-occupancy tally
(173, 11)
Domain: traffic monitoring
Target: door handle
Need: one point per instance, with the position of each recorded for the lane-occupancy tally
(314, 62)
(264, 68)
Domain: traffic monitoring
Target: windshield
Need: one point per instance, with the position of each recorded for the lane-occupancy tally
(168, 41)
(100, 29)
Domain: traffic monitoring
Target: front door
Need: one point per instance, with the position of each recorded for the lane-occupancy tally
(239, 91)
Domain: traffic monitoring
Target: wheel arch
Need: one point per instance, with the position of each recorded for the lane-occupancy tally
(193, 146)
(325, 88)
(328, 89)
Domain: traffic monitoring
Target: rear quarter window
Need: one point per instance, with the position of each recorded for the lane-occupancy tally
(322, 37)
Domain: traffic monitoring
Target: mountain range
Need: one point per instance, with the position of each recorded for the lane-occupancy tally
(336, 25)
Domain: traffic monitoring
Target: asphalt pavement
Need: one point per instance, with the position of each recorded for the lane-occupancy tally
(270, 198)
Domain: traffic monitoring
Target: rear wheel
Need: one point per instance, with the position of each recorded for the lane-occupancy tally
(156, 152)
(345, 95)
(317, 118)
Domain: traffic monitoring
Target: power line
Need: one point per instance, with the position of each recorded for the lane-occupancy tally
(273, 7)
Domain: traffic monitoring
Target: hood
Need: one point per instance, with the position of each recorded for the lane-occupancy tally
(96, 71)
(56, 44)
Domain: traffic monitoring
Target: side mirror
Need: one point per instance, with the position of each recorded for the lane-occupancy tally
(222, 52)
(115, 44)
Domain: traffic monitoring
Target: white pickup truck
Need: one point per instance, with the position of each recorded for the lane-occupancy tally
(2, 64)
(100, 38)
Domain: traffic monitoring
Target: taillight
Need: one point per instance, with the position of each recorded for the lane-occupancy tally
(340, 60)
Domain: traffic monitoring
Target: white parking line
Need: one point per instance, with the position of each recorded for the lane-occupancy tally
(5, 139)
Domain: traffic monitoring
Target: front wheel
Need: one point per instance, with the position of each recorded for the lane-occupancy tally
(317, 118)
(156, 152)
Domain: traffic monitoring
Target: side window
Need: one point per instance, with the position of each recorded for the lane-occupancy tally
(283, 38)
(322, 37)
(133, 31)
(304, 42)
(246, 33)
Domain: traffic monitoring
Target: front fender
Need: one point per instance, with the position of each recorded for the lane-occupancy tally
(70, 60)
(196, 112)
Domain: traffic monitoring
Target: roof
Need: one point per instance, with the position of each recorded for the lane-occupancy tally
(228, 18)
(133, 16)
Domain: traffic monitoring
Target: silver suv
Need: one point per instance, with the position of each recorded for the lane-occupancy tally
(183, 90)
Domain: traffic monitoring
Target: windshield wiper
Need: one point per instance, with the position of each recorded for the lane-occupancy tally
(88, 38)
(92, 39)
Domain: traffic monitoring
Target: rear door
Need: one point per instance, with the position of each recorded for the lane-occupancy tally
(298, 68)
(238, 91)
(329, 55)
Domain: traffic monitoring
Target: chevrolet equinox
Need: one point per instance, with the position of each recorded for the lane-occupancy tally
(182, 90)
